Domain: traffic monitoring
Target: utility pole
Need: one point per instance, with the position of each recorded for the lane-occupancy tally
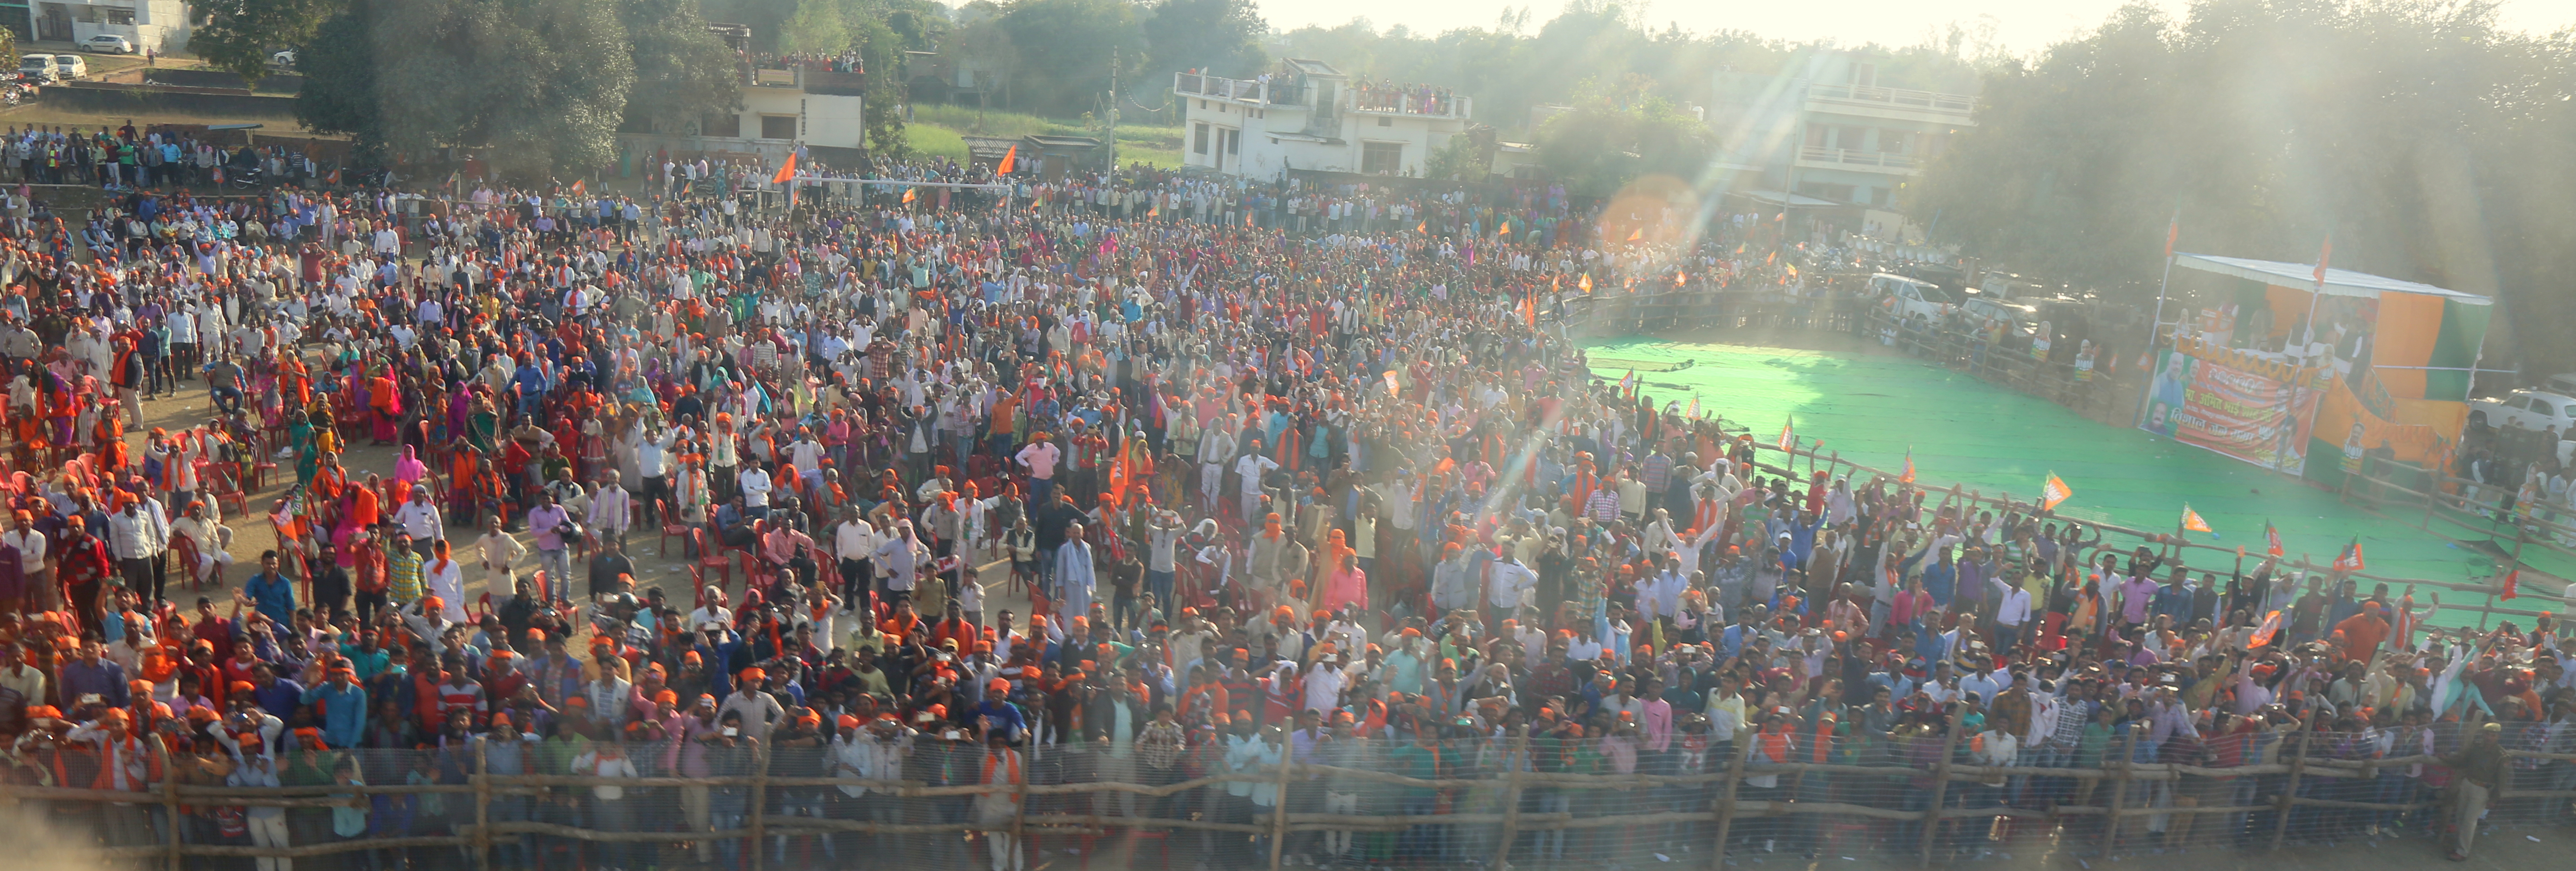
(1113, 109)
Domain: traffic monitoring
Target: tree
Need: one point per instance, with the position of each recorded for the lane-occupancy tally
(239, 36)
(1067, 48)
(1222, 37)
(682, 71)
(339, 91)
(1619, 132)
(538, 85)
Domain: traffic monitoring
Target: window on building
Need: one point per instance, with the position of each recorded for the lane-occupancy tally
(777, 126)
(1851, 138)
(1865, 75)
(1381, 158)
(121, 16)
(1816, 134)
(1198, 139)
(1895, 141)
(1234, 142)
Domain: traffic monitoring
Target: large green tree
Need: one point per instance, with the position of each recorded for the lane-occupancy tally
(1219, 36)
(682, 71)
(538, 85)
(1067, 48)
(1618, 132)
(241, 35)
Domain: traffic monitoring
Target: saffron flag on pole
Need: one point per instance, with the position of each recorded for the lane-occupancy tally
(1693, 412)
(2053, 492)
(2272, 540)
(579, 188)
(1529, 310)
(1788, 434)
(1907, 476)
(2271, 627)
(2323, 255)
(1586, 284)
(787, 171)
(2173, 231)
(2350, 559)
(907, 194)
(1626, 380)
(1011, 158)
(1636, 234)
(2512, 581)
(2191, 521)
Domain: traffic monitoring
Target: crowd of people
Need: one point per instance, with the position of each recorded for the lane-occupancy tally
(1330, 492)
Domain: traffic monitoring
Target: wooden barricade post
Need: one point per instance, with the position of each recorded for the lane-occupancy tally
(1940, 783)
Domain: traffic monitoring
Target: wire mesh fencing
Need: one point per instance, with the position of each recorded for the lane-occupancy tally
(1521, 798)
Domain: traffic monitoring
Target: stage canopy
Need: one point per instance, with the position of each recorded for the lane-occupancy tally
(2339, 282)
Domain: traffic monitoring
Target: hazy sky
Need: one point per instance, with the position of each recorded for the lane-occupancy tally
(2020, 25)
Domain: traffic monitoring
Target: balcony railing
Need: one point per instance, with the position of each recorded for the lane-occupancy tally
(829, 83)
(1857, 157)
(1932, 101)
(1246, 90)
(1441, 104)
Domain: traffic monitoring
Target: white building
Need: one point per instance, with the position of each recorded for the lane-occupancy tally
(1306, 115)
(1829, 127)
(155, 25)
(782, 109)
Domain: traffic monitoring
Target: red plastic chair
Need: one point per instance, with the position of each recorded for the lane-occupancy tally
(671, 528)
(712, 558)
(184, 550)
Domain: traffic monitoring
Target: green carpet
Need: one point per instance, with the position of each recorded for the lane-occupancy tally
(1872, 409)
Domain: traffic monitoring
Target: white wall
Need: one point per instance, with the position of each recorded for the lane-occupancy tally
(821, 120)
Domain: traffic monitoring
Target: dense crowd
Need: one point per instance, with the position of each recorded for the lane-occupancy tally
(1327, 490)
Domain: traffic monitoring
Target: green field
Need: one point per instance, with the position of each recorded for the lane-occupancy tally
(939, 131)
(1873, 409)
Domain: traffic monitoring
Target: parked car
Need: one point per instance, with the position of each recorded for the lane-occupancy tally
(1913, 296)
(284, 59)
(108, 43)
(37, 67)
(1987, 310)
(2525, 409)
(71, 67)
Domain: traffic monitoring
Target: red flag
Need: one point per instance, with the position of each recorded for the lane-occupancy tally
(2272, 539)
(2512, 580)
(785, 170)
(2323, 255)
(1010, 159)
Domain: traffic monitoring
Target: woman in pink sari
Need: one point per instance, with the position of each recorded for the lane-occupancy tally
(408, 469)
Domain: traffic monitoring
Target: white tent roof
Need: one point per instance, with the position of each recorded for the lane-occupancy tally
(2339, 282)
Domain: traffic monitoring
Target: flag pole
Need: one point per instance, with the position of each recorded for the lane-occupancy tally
(2156, 325)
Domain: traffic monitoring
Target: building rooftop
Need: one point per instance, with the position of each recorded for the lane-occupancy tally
(1312, 67)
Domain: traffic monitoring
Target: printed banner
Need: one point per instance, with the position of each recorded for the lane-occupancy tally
(2252, 416)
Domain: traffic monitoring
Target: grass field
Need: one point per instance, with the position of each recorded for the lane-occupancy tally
(1879, 410)
(938, 130)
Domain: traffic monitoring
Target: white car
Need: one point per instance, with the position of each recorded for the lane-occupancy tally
(37, 66)
(1913, 296)
(108, 43)
(283, 59)
(2525, 409)
(71, 67)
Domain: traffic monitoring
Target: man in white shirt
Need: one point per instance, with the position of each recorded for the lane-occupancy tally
(1250, 468)
(420, 518)
(854, 541)
(31, 554)
(755, 484)
(612, 510)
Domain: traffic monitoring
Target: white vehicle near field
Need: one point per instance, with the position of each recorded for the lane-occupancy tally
(1910, 297)
(2533, 410)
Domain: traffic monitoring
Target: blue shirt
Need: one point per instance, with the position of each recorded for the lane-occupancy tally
(344, 711)
(274, 595)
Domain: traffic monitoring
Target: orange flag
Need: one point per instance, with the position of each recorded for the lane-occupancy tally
(1010, 159)
(785, 170)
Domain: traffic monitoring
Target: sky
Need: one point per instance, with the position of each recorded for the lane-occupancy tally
(2019, 26)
